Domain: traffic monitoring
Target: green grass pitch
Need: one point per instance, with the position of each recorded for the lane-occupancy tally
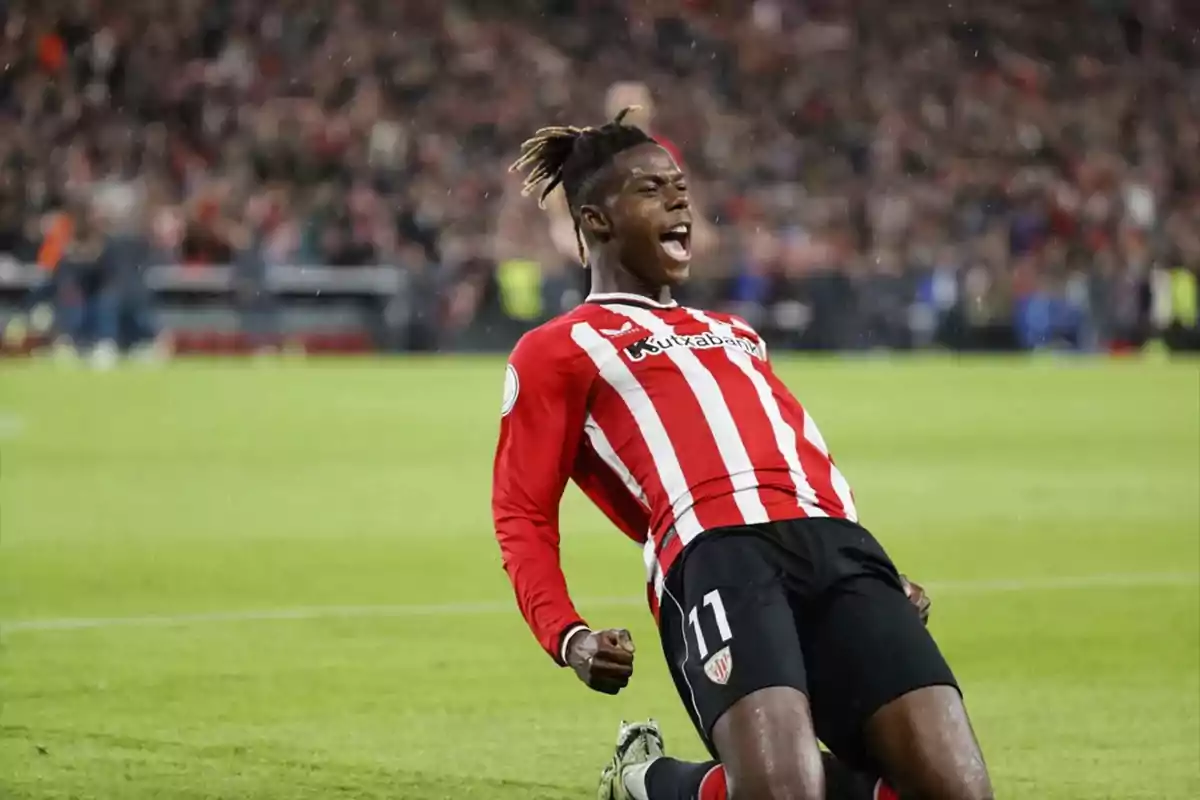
(279, 581)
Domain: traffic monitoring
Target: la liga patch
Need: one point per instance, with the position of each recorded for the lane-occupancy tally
(512, 387)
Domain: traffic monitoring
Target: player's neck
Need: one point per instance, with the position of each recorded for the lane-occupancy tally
(619, 280)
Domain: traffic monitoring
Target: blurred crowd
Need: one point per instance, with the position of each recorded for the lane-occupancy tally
(1006, 150)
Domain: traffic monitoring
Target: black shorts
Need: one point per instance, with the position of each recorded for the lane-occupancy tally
(815, 604)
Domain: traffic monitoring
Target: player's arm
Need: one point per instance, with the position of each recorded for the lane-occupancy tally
(545, 406)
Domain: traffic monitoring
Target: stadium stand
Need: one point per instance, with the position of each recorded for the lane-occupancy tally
(881, 173)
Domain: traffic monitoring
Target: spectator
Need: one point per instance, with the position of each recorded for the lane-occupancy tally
(88, 287)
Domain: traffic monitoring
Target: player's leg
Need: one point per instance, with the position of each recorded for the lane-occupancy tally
(925, 741)
(641, 771)
(729, 635)
(773, 715)
(732, 646)
(884, 697)
(768, 746)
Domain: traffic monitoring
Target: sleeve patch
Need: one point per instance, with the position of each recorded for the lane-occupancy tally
(512, 387)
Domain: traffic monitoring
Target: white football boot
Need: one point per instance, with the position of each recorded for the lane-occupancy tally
(638, 744)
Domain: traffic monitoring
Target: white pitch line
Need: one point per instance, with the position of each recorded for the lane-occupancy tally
(295, 613)
(935, 588)
(1102, 581)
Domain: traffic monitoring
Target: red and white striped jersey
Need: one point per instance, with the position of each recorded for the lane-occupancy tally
(673, 423)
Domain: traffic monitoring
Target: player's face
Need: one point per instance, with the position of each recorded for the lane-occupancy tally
(651, 216)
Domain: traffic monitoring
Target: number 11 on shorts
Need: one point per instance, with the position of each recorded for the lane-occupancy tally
(713, 601)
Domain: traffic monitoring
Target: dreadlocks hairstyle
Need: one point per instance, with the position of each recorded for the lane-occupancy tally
(572, 157)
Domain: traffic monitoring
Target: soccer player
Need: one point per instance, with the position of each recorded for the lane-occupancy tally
(782, 619)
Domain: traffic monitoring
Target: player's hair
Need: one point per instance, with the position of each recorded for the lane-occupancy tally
(573, 157)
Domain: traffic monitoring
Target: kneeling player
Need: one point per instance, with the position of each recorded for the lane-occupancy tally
(640, 769)
(783, 620)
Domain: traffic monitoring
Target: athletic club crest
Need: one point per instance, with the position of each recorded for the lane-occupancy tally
(719, 667)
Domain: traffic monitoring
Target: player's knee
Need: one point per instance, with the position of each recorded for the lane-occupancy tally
(969, 784)
(769, 748)
(977, 787)
(779, 779)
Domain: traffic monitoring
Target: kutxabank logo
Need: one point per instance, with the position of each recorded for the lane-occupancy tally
(655, 345)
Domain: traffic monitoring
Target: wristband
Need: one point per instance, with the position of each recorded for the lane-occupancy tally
(566, 639)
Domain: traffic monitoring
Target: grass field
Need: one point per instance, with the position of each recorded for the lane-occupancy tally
(279, 581)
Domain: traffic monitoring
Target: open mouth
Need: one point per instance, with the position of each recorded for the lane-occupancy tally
(677, 242)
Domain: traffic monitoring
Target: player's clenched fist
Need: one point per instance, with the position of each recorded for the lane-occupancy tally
(602, 659)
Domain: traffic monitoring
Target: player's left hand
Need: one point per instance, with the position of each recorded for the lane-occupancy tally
(918, 597)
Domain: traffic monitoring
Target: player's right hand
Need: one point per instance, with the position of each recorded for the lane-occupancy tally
(602, 659)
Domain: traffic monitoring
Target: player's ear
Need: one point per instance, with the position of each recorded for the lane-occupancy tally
(596, 223)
